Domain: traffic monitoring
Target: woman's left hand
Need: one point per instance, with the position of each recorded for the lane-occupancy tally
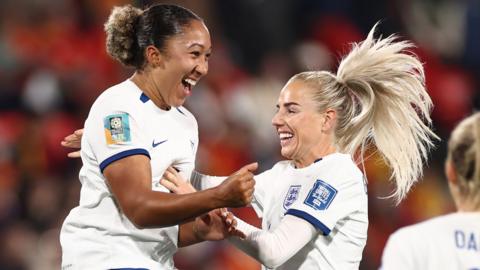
(174, 182)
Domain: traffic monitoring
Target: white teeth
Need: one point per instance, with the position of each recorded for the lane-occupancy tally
(191, 82)
(285, 135)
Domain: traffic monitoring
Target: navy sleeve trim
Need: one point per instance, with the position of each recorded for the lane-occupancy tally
(124, 154)
(312, 220)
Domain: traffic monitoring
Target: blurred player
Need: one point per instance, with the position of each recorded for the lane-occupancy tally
(134, 131)
(451, 241)
(314, 204)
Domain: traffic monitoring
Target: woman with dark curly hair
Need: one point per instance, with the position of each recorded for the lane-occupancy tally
(134, 131)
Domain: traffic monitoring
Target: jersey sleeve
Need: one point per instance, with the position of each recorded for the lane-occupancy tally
(326, 201)
(114, 132)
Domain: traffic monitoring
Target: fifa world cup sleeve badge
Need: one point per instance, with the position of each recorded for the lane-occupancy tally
(321, 195)
(117, 129)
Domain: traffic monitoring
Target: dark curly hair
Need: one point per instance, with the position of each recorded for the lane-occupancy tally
(130, 30)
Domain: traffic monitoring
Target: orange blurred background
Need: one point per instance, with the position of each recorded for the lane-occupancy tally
(53, 65)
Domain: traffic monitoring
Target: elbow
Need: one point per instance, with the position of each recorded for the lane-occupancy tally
(139, 214)
(272, 262)
(271, 257)
(135, 214)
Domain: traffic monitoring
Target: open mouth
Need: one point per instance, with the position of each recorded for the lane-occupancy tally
(188, 84)
(285, 138)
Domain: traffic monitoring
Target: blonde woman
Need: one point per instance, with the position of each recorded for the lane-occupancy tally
(314, 204)
(451, 241)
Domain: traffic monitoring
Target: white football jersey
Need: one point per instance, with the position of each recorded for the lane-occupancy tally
(446, 242)
(331, 195)
(122, 122)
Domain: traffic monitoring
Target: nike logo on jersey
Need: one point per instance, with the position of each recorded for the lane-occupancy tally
(154, 144)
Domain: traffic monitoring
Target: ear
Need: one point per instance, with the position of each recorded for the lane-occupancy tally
(330, 119)
(451, 172)
(153, 56)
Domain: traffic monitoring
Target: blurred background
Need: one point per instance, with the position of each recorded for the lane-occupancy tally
(53, 65)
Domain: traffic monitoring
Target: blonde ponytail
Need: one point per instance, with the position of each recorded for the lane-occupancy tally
(380, 98)
(394, 107)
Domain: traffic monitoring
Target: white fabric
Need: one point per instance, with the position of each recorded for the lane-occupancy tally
(201, 182)
(333, 183)
(274, 248)
(285, 190)
(446, 242)
(96, 234)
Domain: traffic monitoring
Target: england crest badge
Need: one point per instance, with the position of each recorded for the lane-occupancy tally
(321, 195)
(291, 197)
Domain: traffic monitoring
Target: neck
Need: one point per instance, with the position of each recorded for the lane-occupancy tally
(144, 80)
(311, 157)
(468, 205)
(465, 201)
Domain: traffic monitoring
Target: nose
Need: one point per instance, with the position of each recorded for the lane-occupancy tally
(202, 67)
(277, 119)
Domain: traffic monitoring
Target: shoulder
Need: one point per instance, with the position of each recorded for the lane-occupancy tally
(341, 172)
(342, 165)
(188, 116)
(122, 97)
(423, 229)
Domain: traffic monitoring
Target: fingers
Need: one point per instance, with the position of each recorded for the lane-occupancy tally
(251, 167)
(75, 154)
(169, 185)
(231, 224)
(78, 132)
(73, 140)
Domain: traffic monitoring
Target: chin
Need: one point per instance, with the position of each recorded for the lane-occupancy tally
(178, 103)
(286, 154)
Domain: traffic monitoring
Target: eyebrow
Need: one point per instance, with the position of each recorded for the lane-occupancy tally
(288, 104)
(198, 44)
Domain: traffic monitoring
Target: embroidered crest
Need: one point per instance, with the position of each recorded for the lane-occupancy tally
(321, 195)
(117, 128)
(291, 197)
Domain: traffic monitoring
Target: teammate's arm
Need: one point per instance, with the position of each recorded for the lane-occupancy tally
(130, 181)
(273, 248)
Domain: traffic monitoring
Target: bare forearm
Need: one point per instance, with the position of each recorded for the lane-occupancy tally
(187, 235)
(158, 209)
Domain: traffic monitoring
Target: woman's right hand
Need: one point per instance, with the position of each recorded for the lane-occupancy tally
(237, 189)
(73, 141)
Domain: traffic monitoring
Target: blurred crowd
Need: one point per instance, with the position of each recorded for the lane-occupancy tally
(53, 65)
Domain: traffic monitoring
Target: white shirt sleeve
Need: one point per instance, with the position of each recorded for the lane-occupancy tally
(398, 254)
(273, 248)
(113, 132)
(324, 203)
(201, 181)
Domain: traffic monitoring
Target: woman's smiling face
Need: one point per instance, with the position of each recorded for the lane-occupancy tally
(185, 62)
(299, 124)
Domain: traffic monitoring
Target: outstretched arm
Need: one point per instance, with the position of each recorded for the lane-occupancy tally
(130, 181)
(273, 248)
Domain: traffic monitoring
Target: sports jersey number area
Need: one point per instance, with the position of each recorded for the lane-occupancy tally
(321, 195)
